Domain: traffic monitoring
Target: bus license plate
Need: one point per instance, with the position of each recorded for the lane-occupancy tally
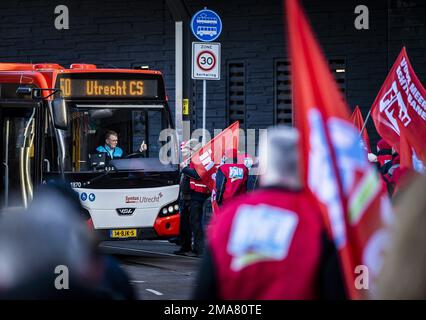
(123, 233)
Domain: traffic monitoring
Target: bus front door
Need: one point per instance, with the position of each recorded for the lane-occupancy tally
(17, 156)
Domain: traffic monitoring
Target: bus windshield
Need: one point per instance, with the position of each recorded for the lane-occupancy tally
(134, 125)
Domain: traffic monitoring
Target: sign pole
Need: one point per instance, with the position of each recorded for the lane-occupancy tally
(204, 111)
(179, 79)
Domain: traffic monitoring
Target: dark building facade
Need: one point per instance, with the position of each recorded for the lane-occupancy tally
(255, 85)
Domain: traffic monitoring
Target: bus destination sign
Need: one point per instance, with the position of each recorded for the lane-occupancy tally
(107, 88)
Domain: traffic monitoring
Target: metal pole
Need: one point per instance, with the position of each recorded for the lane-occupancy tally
(365, 123)
(179, 77)
(6, 164)
(204, 111)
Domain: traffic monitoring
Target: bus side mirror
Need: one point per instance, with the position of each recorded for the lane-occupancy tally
(60, 115)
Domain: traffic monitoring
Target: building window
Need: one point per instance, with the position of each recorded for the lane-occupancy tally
(284, 90)
(283, 93)
(338, 68)
(236, 93)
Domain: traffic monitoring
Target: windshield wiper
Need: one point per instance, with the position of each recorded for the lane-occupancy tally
(108, 170)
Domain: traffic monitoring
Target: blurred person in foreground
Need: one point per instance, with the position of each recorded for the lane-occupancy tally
(271, 243)
(46, 252)
(403, 273)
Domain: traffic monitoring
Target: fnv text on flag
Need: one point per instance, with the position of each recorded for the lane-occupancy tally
(207, 159)
(399, 113)
(354, 203)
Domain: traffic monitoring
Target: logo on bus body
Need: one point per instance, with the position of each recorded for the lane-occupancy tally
(125, 211)
(142, 199)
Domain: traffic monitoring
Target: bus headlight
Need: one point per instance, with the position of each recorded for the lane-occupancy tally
(170, 209)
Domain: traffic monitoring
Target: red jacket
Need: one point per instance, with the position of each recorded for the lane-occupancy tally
(197, 185)
(267, 245)
(231, 180)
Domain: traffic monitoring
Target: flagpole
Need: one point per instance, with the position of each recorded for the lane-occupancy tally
(365, 123)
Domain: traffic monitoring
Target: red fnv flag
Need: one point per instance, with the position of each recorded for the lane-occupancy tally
(335, 167)
(399, 113)
(207, 159)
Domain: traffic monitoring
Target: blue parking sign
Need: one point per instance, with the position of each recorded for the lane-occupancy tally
(206, 25)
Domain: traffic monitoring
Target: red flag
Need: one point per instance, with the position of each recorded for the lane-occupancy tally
(358, 121)
(207, 159)
(336, 169)
(405, 153)
(400, 110)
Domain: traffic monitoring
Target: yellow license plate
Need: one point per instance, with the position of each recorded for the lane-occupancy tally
(123, 233)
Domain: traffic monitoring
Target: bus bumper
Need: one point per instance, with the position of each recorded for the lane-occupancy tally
(164, 228)
(167, 226)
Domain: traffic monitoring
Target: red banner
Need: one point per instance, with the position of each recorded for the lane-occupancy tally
(358, 121)
(209, 157)
(335, 167)
(400, 110)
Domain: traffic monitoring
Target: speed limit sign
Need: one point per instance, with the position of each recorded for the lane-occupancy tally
(206, 60)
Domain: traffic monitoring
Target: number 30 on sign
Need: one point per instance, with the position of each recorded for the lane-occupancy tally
(206, 61)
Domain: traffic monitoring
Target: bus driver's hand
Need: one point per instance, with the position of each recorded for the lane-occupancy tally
(143, 147)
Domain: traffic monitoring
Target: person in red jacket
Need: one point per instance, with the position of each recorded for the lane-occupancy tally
(397, 177)
(231, 178)
(384, 156)
(271, 243)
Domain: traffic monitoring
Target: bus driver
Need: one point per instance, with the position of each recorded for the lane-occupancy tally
(110, 148)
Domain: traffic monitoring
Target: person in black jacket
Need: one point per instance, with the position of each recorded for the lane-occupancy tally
(198, 195)
(185, 232)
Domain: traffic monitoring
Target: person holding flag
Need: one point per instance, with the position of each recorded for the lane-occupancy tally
(185, 229)
(207, 160)
(199, 192)
(271, 243)
(202, 171)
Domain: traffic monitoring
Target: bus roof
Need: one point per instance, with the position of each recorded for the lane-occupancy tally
(29, 73)
(74, 68)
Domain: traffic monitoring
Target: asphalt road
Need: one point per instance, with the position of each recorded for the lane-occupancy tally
(155, 272)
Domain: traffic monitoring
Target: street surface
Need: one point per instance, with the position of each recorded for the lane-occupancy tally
(154, 271)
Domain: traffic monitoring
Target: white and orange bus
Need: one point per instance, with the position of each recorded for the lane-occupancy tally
(52, 119)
